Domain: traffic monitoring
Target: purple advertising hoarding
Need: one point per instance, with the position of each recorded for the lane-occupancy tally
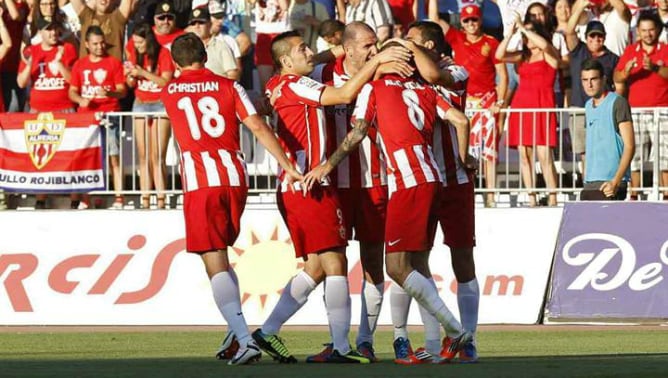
(611, 263)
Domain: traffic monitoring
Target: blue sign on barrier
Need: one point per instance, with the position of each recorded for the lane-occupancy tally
(611, 263)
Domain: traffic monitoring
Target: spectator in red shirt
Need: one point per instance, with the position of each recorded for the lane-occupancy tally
(642, 68)
(48, 68)
(474, 50)
(148, 69)
(165, 29)
(97, 84)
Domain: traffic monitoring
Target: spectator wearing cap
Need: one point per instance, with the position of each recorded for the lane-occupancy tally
(474, 50)
(223, 26)
(218, 32)
(220, 59)
(50, 10)
(375, 13)
(642, 68)
(305, 16)
(164, 29)
(48, 68)
(592, 48)
(615, 16)
(111, 19)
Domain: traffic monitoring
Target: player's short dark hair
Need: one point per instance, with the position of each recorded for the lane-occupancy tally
(592, 64)
(431, 31)
(329, 27)
(281, 47)
(389, 44)
(94, 30)
(188, 49)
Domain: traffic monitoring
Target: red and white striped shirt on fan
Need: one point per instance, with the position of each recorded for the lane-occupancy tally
(205, 110)
(300, 122)
(446, 146)
(365, 167)
(405, 112)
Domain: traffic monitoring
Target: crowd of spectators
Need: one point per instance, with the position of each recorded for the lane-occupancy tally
(110, 55)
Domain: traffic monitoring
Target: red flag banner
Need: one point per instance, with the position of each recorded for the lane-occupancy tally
(51, 152)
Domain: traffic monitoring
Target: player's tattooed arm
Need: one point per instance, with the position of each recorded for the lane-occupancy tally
(350, 143)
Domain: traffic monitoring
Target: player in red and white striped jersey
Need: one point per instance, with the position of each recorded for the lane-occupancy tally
(361, 180)
(405, 124)
(315, 221)
(456, 209)
(204, 110)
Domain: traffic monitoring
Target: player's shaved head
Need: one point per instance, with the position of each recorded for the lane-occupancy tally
(281, 46)
(354, 30)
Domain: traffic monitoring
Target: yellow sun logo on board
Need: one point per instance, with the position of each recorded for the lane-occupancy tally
(264, 266)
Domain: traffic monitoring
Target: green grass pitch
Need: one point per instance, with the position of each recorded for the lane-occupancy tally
(547, 351)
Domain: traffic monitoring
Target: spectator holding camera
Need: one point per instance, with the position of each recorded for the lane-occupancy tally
(148, 69)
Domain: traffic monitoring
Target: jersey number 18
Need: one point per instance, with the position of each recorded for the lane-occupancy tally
(211, 121)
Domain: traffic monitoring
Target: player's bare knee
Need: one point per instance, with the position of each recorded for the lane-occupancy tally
(334, 263)
(398, 267)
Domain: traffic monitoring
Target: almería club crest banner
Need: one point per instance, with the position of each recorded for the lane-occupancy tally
(51, 152)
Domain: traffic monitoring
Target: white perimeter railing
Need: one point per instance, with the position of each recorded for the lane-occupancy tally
(509, 190)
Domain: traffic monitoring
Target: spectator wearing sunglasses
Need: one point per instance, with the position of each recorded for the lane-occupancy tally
(474, 50)
(220, 59)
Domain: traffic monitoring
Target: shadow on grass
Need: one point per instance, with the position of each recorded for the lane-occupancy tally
(621, 365)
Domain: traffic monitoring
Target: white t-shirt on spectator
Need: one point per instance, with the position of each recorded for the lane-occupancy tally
(617, 32)
(508, 7)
